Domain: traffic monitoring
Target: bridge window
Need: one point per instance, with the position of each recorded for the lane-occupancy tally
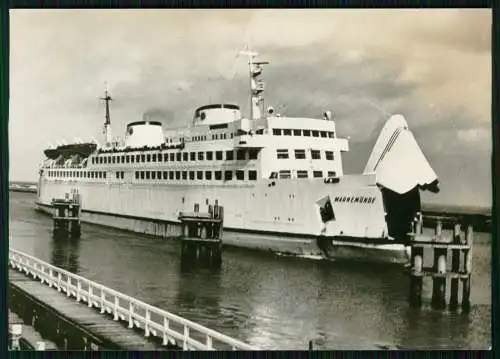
(148, 175)
(315, 155)
(200, 156)
(287, 132)
(329, 155)
(210, 155)
(228, 175)
(331, 134)
(185, 157)
(184, 175)
(285, 174)
(252, 175)
(253, 154)
(276, 132)
(302, 174)
(218, 175)
(300, 154)
(315, 133)
(297, 132)
(229, 155)
(240, 175)
(282, 154)
(191, 175)
(199, 175)
(208, 175)
(240, 155)
(192, 156)
(323, 134)
(260, 131)
(307, 133)
(317, 174)
(218, 155)
(177, 175)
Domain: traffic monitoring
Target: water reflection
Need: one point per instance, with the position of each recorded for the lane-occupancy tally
(65, 253)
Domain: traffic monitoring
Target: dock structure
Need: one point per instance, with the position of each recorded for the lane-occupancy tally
(202, 234)
(66, 216)
(460, 246)
(79, 314)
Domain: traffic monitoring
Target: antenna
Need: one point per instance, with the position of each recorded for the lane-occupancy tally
(107, 122)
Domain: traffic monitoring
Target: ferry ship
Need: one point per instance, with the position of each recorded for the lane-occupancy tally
(279, 178)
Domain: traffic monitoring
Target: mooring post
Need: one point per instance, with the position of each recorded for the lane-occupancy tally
(439, 275)
(416, 274)
(455, 267)
(468, 270)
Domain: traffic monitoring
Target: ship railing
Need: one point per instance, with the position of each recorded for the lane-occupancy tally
(153, 321)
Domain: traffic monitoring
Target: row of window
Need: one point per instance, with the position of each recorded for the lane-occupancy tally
(178, 156)
(286, 174)
(80, 174)
(301, 154)
(196, 175)
(358, 199)
(305, 133)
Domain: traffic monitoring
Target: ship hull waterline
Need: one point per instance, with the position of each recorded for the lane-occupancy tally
(304, 247)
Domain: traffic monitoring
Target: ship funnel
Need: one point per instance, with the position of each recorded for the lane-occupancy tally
(398, 161)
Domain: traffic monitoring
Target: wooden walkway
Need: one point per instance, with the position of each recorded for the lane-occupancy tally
(87, 318)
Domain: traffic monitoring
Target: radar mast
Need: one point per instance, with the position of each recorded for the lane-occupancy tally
(256, 84)
(107, 122)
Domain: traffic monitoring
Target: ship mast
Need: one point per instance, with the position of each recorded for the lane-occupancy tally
(107, 122)
(256, 84)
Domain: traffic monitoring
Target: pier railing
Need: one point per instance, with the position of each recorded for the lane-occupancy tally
(152, 320)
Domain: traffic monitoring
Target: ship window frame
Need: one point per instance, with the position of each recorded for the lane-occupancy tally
(137, 158)
(315, 133)
(315, 154)
(252, 175)
(159, 157)
(153, 175)
(276, 131)
(178, 175)
(253, 154)
(143, 157)
(191, 175)
(178, 156)
(331, 174)
(282, 154)
(210, 155)
(123, 174)
(143, 176)
(117, 159)
(285, 174)
(260, 131)
(172, 157)
(148, 157)
(219, 155)
(317, 174)
(185, 157)
(241, 155)
(302, 174)
(113, 159)
(331, 134)
(148, 175)
(165, 175)
(201, 155)
(199, 175)
(300, 154)
(171, 175)
(184, 175)
(228, 175)
(132, 159)
(229, 155)
(127, 159)
(306, 133)
(165, 157)
(136, 175)
(208, 175)
(323, 134)
(117, 175)
(153, 157)
(218, 175)
(329, 155)
(240, 175)
(287, 132)
(123, 158)
(158, 175)
(192, 156)
(297, 132)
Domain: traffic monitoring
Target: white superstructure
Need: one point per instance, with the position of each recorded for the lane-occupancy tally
(279, 178)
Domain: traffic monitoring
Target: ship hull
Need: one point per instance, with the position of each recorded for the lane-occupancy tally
(291, 229)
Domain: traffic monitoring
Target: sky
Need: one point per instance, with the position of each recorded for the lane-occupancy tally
(432, 66)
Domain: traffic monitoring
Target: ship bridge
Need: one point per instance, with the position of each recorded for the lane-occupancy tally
(215, 114)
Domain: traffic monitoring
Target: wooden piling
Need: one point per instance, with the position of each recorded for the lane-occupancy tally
(66, 218)
(439, 273)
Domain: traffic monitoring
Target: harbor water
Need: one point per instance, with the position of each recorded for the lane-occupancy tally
(268, 301)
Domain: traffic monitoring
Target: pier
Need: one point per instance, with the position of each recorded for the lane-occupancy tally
(66, 217)
(460, 246)
(78, 314)
(202, 234)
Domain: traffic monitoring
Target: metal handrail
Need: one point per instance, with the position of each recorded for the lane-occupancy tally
(152, 320)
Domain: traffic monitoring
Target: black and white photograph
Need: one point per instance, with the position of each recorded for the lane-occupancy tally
(250, 179)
